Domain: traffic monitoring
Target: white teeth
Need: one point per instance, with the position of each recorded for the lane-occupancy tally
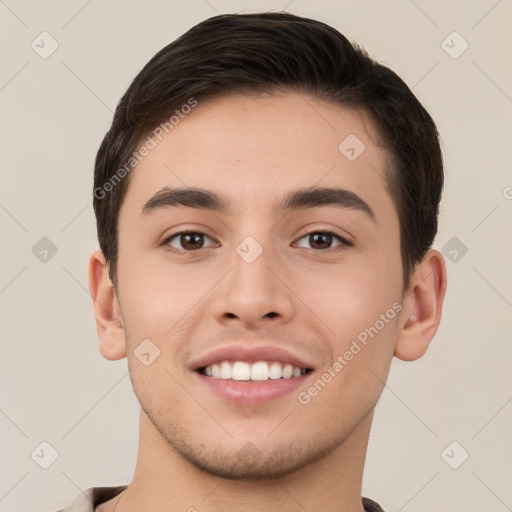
(259, 371)
(225, 370)
(240, 371)
(287, 371)
(275, 371)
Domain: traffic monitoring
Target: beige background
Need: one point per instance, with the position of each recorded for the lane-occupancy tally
(55, 385)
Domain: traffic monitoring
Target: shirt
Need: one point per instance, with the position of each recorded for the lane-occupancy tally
(91, 498)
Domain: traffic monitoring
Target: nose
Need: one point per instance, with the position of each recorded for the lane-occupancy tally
(254, 294)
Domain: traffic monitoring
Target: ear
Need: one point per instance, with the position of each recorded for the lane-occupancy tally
(106, 309)
(422, 307)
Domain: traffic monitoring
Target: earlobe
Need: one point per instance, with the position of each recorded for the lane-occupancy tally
(422, 307)
(106, 309)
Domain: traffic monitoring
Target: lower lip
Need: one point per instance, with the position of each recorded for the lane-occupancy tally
(254, 392)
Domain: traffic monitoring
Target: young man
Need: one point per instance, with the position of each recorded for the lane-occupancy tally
(266, 200)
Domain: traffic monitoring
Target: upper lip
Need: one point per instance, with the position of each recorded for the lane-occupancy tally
(250, 354)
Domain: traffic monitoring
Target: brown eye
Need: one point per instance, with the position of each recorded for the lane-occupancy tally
(322, 240)
(188, 241)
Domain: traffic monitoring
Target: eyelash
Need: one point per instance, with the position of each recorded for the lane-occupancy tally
(343, 241)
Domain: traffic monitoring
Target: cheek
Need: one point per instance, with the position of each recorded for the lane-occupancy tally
(156, 297)
(350, 298)
(349, 386)
(156, 388)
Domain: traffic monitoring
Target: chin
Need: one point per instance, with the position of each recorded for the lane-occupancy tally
(247, 459)
(249, 463)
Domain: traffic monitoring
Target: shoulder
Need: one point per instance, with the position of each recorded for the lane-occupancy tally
(89, 499)
(371, 506)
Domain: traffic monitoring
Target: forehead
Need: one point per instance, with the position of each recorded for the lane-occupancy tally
(256, 148)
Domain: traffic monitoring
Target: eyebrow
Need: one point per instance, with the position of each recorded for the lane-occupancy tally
(200, 198)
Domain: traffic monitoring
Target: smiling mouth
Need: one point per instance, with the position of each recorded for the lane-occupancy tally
(252, 372)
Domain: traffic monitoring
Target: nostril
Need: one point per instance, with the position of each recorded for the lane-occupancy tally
(271, 314)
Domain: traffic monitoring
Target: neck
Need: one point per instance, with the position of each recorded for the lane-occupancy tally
(164, 480)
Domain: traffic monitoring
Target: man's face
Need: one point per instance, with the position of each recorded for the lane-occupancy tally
(260, 284)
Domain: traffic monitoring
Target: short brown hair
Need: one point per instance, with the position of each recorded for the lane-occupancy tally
(264, 53)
